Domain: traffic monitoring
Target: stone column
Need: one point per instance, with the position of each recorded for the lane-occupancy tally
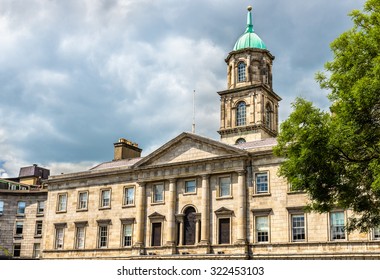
(140, 217)
(180, 224)
(171, 213)
(205, 225)
(241, 215)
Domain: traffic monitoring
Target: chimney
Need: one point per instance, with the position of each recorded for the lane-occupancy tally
(125, 149)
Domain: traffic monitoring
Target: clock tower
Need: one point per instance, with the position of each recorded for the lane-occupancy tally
(249, 106)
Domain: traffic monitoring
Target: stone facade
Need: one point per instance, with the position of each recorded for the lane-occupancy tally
(21, 219)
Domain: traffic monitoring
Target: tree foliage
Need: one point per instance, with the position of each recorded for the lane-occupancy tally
(335, 156)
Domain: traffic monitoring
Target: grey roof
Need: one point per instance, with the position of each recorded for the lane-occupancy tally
(116, 163)
(268, 142)
(34, 171)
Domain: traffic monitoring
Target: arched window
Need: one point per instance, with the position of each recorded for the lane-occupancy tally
(241, 113)
(241, 71)
(240, 141)
(268, 116)
(189, 226)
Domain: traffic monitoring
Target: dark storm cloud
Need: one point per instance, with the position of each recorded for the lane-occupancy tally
(77, 75)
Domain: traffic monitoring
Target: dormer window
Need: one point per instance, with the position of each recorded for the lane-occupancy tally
(241, 113)
(241, 71)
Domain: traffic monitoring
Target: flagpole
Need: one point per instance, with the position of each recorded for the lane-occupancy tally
(193, 126)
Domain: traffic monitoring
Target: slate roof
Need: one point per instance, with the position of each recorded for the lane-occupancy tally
(116, 163)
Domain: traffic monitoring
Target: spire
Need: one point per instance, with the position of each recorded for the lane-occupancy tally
(249, 21)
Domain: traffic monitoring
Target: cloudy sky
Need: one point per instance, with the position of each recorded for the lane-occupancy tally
(77, 75)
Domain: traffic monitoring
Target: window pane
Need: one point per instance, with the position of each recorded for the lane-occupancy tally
(83, 200)
(103, 236)
(1, 207)
(262, 183)
(127, 235)
(241, 114)
(129, 196)
(21, 207)
(59, 238)
(38, 228)
(298, 227)
(337, 225)
(36, 250)
(19, 227)
(40, 207)
(106, 195)
(225, 186)
(80, 238)
(262, 229)
(158, 192)
(241, 72)
(17, 250)
(62, 199)
(190, 186)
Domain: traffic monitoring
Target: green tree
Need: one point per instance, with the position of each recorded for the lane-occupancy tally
(335, 156)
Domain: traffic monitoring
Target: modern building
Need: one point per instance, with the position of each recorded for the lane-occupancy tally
(22, 211)
(199, 198)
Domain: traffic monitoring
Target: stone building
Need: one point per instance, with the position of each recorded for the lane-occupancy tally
(198, 198)
(22, 210)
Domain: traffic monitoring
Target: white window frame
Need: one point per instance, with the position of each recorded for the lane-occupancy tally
(126, 234)
(82, 203)
(80, 236)
(104, 201)
(39, 228)
(59, 238)
(103, 232)
(257, 175)
(334, 234)
(154, 193)
(40, 207)
(260, 230)
(127, 200)
(221, 186)
(62, 202)
(294, 228)
(1, 207)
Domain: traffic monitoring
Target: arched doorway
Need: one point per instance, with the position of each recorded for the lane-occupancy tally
(189, 226)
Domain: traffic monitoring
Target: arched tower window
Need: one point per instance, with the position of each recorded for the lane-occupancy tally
(241, 113)
(240, 141)
(241, 71)
(268, 116)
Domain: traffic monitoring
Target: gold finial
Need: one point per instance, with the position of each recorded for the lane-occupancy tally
(249, 8)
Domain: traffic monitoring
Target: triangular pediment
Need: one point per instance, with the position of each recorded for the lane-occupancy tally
(189, 147)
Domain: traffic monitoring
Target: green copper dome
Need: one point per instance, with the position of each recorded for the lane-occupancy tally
(249, 39)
